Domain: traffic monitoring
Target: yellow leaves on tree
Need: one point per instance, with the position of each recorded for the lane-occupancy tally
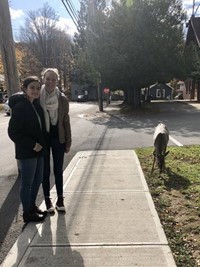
(26, 62)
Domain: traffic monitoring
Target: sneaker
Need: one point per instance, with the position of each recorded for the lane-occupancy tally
(39, 211)
(60, 205)
(33, 217)
(49, 205)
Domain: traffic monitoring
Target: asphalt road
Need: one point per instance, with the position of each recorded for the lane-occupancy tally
(93, 130)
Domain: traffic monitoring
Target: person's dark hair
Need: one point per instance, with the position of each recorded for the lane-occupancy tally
(29, 80)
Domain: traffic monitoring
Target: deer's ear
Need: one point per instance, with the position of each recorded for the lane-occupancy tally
(166, 153)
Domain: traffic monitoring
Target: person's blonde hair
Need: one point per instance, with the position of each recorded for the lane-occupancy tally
(54, 70)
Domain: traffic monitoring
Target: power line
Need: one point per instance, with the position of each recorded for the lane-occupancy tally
(193, 7)
(71, 6)
(71, 11)
(196, 9)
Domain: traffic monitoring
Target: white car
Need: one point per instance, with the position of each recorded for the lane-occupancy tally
(7, 108)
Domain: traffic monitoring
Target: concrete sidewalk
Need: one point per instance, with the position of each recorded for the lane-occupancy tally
(110, 219)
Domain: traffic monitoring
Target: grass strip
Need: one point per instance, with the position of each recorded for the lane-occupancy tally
(176, 195)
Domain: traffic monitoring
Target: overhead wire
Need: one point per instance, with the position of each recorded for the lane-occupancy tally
(196, 9)
(71, 13)
(72, 8)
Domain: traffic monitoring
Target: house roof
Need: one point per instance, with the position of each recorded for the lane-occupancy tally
(180, 82)
(193, 34)
(161, 84)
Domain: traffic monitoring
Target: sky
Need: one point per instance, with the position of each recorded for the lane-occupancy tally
(188, 6)
(19, 9)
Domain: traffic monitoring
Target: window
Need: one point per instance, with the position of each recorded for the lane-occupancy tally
(158, 93)
(163, 92)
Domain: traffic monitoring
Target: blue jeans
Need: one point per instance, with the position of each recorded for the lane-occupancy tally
(31, 179)
(58, 151)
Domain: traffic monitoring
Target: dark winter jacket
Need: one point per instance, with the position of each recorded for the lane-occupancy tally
(24, 128)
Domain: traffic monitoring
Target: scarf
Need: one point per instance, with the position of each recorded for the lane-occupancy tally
(49, 103)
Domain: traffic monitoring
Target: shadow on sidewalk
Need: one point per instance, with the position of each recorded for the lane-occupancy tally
(9, 210)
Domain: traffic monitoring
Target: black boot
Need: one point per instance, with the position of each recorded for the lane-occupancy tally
(60, 204)
(35, 209)
(33, 217)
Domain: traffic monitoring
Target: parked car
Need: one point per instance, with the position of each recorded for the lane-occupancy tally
(82, 98)
(7, 108)
(5, 98)
(179, 96)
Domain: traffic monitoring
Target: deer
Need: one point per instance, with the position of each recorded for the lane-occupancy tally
(161, 138)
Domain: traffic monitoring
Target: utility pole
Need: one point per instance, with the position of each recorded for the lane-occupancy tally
(99, 89)
(8, 50)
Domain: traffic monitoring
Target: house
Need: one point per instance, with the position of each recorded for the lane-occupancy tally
(193, 36)
(161, 91)
(77, 89)
(193, 33)
(2, 88)
(185, 91)
(2, 82)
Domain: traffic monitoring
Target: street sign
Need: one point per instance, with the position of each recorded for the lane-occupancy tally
(106, 90)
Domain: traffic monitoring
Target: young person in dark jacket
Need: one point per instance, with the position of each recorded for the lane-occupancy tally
(56, 112)
(27, 130)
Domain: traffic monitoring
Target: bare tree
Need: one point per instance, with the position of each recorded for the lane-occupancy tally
(50, 45)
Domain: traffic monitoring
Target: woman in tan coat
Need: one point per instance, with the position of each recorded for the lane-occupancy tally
(56, 111)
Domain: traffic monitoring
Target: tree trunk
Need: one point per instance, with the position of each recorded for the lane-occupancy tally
(133, 97)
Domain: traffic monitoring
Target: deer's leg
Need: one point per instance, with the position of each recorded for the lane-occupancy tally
(154, 160)
(164, 167)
